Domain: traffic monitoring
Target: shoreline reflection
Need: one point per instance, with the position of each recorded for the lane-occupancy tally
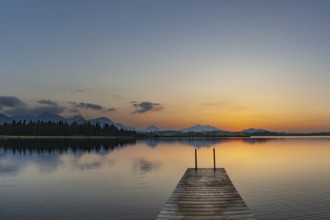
(60, 146)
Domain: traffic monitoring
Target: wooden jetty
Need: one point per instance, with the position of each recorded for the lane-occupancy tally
(205, 193)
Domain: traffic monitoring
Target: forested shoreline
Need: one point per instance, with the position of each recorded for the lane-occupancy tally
(61, 128)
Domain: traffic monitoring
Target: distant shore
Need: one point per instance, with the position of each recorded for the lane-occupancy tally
(152, 137)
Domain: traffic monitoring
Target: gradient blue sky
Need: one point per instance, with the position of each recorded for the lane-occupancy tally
(231, 64)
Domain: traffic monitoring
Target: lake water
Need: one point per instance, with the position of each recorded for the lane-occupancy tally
(278, 178)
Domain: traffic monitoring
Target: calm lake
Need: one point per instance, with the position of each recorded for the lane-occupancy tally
(278, 178)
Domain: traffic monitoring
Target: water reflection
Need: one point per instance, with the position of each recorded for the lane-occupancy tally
(86, 154)
(47, 154)
(59, 146)
(86, 162)
(144, 166)
(279, 178)
(258, 140)
(9, 167)
(200, 142)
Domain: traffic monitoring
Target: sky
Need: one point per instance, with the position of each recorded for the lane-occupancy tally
(227, 63)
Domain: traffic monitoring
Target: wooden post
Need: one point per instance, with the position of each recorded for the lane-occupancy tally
(195, 159)
(214, 159)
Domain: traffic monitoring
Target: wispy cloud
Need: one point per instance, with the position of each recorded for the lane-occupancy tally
(143, 107)
(47, 102)
(77, 106)
(85, 105)
(75, 91)
(74, 110)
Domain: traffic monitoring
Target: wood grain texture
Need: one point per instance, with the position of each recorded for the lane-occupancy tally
(205, 194)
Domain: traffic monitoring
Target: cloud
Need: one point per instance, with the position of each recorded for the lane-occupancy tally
(47, 102)
(85, 105)
(143, 107)
(74, 110)
(10, 102)
(75, 91)
(15, 107)
(89, 106)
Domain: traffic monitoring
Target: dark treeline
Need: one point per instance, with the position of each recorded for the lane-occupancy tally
(41, 128)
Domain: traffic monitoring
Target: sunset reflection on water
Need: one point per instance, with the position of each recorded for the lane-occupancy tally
(277, 177)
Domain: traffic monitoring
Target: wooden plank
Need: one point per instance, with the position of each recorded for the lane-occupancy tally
(205, 194)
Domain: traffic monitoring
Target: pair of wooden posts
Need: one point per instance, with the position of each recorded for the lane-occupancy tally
(213, 159)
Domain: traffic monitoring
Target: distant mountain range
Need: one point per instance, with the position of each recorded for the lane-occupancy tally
(206, 130)
(152, 130)
(200, 128)
(196, 128)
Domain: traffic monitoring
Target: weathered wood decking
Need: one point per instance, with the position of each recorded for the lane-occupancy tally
(205, 194)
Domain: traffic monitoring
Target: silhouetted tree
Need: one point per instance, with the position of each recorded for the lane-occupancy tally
(41, 128)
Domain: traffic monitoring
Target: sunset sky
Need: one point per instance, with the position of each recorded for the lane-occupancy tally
(230, 64)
